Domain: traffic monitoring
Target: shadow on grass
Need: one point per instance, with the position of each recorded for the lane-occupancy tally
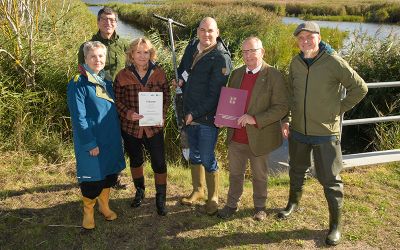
(42, 189)
(249, 239)
(136, 228)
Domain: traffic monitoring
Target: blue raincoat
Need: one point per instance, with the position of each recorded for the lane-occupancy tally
(95, 123)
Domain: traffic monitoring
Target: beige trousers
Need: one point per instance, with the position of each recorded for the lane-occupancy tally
(238, 156)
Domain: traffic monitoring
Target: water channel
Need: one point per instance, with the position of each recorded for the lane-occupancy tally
(371, 29)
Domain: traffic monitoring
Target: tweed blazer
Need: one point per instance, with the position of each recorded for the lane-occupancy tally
(268, 104)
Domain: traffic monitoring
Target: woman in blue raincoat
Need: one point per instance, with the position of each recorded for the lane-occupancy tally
(96, 133)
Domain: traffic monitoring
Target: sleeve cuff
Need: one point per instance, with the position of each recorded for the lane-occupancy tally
(89, 146)
(255, 119)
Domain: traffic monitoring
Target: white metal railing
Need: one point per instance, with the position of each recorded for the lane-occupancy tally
(374, 85)
(371, 120)
(377, 157)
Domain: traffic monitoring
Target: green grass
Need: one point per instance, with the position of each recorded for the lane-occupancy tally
(344, 18)
(377, 11)
(40, 207)
(38, 186)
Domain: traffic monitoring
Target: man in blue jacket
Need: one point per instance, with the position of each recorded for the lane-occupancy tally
(204, 69)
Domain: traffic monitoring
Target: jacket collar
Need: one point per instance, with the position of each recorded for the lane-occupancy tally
(98, 37)
(260, 81)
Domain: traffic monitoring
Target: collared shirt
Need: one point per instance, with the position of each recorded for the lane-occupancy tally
(254, 71)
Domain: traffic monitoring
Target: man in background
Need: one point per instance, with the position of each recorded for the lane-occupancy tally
(115, 58)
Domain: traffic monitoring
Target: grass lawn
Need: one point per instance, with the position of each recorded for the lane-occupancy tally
(40, 208)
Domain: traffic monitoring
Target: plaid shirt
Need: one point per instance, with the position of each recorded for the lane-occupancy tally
(127, 87)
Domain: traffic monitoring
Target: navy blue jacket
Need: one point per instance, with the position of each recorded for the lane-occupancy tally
(206, 78)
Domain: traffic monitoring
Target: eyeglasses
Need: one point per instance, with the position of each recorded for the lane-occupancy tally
(250, 51)
(106, 20)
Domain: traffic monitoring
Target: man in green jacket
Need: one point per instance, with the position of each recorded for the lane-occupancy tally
(115, 58)
(260, 127)
(316, 78)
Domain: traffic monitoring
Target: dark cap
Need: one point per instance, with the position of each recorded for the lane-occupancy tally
(307, 26)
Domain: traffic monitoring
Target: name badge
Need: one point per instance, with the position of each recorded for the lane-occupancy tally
(185, 75)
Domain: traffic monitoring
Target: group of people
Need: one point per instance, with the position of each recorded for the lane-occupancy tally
(306, 108)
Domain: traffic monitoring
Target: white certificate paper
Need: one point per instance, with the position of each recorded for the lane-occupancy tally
(151, 107)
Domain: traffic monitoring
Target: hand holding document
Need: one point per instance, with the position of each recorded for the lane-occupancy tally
(231, 105)
(151, 108)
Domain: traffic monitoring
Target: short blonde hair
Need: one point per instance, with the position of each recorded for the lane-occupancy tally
(88, 46)
(135, 44)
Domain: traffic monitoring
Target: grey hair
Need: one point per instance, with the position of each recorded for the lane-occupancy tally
(88, 46)
(254, 38)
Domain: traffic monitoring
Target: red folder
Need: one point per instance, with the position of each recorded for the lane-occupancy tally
(231, 105)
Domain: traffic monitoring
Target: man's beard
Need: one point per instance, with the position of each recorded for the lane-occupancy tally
(310, 53)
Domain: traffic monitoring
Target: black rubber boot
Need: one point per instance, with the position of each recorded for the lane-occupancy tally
(139, 196)
(161, 196)
(292, 205)
(335, 218)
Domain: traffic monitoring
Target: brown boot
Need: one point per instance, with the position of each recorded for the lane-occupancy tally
(88, 213)
(212, 181)
(198, 185)
(104, 208)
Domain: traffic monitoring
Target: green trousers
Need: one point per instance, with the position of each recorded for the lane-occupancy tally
(328, 164)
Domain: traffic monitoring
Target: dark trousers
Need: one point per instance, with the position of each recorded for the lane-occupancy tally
(92, 189)
(328, 164)
(153, 145)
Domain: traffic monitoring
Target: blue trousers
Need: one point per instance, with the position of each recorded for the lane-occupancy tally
(202, 141)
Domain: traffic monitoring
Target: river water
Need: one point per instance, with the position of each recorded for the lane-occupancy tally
(371, 29)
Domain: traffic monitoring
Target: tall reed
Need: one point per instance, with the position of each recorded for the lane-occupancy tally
(376, 60)
(34, 118)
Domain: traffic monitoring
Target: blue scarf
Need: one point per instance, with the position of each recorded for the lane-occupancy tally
(99, 76)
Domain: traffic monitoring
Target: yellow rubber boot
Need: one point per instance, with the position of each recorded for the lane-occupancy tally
(212, 180)
(198, 185)
(88, 213)
(104, 208)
